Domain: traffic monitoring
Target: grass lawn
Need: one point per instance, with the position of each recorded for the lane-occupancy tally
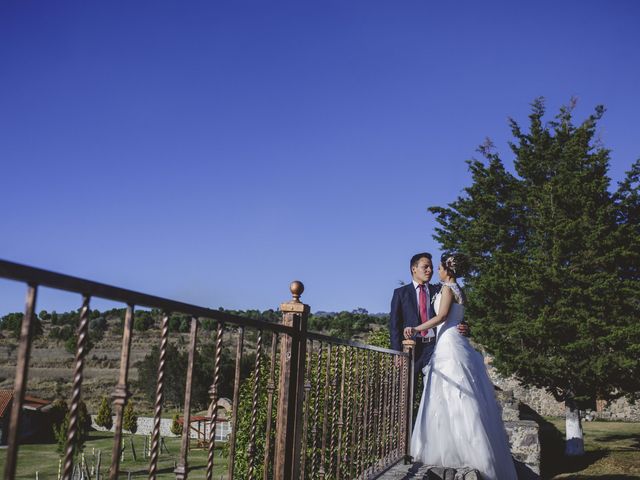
(43, 458)
(612, 451)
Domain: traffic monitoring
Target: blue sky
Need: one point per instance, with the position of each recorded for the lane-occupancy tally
(211, 152)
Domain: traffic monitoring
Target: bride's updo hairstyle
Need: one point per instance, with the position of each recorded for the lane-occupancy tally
(454, 263)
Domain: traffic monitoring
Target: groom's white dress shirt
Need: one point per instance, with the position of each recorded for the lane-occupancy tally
(416, 286)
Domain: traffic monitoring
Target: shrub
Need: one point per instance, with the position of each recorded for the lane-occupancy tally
(143, 320)
(13, 323)
(176, 426)
(130, 419)
(60, 429)
(105, 414)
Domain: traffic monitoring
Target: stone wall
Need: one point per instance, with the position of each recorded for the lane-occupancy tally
(525, 447)
(145, 427)
(546, 405)
(620, 410)
(523, 437)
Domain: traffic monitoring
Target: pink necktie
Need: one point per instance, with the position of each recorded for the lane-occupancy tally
(424, 314)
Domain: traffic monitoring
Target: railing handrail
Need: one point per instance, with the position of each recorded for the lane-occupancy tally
(338, 341)
(59, 281)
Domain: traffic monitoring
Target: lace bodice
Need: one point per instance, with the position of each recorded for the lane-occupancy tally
(457, 292)
(456, 311)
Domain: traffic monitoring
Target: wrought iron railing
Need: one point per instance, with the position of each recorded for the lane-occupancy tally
(332, 409)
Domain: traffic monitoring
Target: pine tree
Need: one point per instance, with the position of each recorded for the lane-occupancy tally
(546, 293)
(627, 202)
(105, 414)
(130, 419)
(176, 426)
(61, 426)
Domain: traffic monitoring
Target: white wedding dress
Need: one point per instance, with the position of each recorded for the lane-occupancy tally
(459, 422)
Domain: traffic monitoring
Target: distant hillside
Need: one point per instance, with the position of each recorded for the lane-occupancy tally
(52, 355)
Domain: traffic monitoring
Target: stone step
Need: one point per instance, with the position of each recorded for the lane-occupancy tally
(427, 472)
(509, 404)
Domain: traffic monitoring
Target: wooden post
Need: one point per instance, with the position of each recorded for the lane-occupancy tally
(20, 383)
(288, 445)
(121, 395)
(182, 468)
(408, 346)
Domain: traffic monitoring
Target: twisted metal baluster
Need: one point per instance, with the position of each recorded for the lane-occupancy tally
(376, 411)
(369, 427)
(395, 406)
(404, 404)
(72, 432)
(388, 402)
(157, 412)
(386, 422)
(213, 395)
(20, 384)
(316, 412)
(361, 417)
(356, 412)
(367, 411)
(271, 387)
(341, 414)
(390, 395)
(307, 406)
(400, 408)
(236, 401)
(334, 408)
(348, 459)
(325, 415)
(385, 411)
(372, 397)
(365, 414)
(381, 408)
(254, 407)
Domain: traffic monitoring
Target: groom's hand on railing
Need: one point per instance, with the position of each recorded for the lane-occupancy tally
(463, 329)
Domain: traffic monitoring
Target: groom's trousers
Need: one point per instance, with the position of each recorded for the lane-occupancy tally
(422, 354)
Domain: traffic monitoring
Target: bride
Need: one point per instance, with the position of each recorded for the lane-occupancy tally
(459, 421)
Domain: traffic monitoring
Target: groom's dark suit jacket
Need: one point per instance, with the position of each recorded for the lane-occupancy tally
(405, 313)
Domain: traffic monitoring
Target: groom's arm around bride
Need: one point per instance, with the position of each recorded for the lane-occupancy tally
(411, 305)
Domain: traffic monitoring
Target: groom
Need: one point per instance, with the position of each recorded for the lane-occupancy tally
(411, 305)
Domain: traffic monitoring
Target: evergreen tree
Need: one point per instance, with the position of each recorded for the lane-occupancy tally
(13, 322)
(129, 418)
(61, 426)
(175, 374)
(627, 202)
(550, 248)
(105, 414)
(176, 426)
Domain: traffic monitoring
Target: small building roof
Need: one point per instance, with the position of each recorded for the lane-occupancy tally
(5, 401)
(30, 403)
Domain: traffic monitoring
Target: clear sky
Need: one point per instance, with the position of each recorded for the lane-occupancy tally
(213, 151)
